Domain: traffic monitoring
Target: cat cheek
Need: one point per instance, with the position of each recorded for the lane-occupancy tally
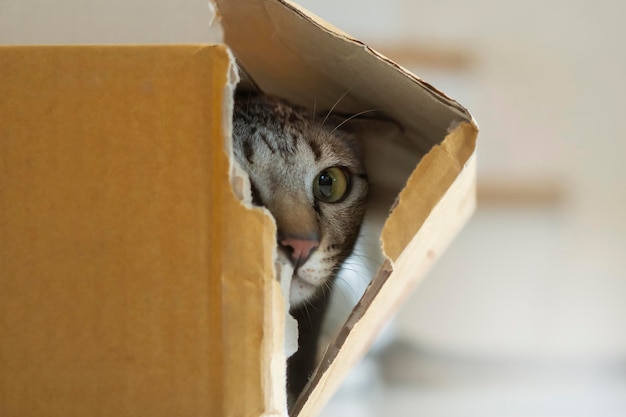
(310, 275)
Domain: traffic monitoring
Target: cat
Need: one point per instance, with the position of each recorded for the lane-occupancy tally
(309, 173)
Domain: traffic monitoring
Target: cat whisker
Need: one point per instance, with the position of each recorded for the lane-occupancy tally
(327, 288)
(335, 105)
(352, 117)
(355, 280)
(365, 251)
(306, 305)
(357, 274)
(366, 257)
(338, 288)
(348, 267)
(355, 293)
(267, 119)
(373, 247)
(373, 250)
(346, 297)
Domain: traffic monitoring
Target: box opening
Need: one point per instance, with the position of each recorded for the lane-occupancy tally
(292, 54)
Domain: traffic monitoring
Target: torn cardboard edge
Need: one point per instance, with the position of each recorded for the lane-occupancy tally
(295, 55)
(397, 278)
(248, 371)
(119, 227)
(316, 20)
(276, 346)
(291, 53)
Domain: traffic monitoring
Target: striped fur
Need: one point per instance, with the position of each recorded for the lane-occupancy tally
(283, 148)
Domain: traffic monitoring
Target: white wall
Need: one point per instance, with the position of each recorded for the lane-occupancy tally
(104, 22)
(547, 88)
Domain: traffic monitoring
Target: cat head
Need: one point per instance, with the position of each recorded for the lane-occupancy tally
(310, 176)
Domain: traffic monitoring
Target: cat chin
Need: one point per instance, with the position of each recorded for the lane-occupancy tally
(300, 285)
(300, 291)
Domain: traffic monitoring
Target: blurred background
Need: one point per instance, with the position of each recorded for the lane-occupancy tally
(525, 314)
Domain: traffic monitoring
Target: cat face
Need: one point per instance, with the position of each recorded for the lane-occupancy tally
(310, 178)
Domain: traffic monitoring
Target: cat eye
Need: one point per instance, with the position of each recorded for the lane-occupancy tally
(331, 185)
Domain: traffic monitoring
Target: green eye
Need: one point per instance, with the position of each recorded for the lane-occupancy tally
(331, 185)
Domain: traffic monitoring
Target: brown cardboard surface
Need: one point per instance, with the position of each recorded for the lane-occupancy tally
(424, 174)
(431, 179)
(121, 274)
(294, 54)
(133, 281)
(435, 204)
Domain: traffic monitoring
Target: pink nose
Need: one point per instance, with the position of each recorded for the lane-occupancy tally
(300, 248)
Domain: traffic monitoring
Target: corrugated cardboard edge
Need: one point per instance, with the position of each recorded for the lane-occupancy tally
(296, 55)
(437, 94)
(133, 253)
(427, 132)
(425, 187)
(274, 319)
(440, 196)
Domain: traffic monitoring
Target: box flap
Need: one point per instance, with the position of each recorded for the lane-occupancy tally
(120, 258)
(437, 201)
(293, 54)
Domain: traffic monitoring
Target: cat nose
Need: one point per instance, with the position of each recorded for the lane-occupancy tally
(299, 249)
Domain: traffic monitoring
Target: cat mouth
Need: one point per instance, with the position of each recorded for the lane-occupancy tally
(303, 282)
(301, 290)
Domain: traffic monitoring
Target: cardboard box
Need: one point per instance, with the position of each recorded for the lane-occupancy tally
(133, 278)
